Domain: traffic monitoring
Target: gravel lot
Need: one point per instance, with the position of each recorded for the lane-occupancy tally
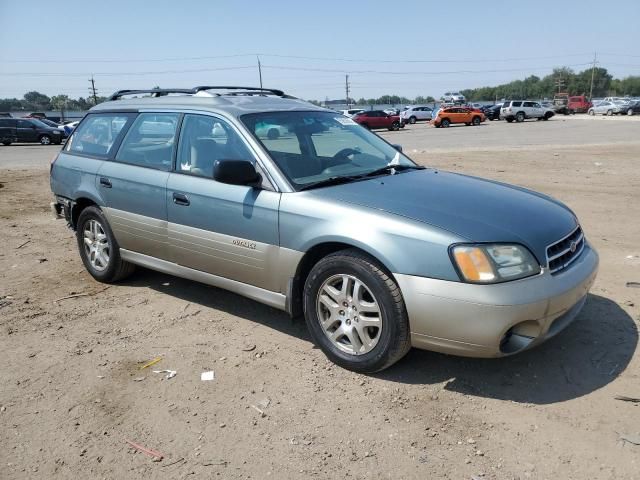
(71, 349)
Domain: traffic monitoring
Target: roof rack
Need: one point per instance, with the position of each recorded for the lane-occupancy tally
(158, 92)
(232, 90)
(242, 90)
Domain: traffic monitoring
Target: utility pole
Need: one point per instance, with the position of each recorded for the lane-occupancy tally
(560, 83)
(593, 70)
(346, 89)
(259, 71)
(93, 91)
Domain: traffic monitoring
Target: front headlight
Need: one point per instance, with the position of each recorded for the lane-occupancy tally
(494, 263)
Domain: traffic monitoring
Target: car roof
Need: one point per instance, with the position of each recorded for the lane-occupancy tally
(234, 105)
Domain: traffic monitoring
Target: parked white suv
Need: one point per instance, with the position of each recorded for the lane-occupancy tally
(415, 113)
(453, 97)
(351, 112)
(520, 110)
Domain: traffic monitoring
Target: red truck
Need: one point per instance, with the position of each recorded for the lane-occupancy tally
(579, 104)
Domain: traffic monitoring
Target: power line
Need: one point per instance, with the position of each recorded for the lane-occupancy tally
(114, 74)
(351, 71)
(303, 57)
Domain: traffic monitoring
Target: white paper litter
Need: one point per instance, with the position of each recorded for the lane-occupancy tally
(205, 376)
(170, 373)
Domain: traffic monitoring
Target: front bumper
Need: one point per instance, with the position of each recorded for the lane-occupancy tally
(495, 320)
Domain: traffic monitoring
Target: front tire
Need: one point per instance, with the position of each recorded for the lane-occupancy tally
(630, 112)
(445, 123)
(591, 112)
(395, 126)
(98, 247)
(355, 312)
(6, 144)
(609, 113)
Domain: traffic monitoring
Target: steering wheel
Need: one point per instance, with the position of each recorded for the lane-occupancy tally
(345, 152)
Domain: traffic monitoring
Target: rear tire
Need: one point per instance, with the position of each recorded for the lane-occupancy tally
(476, 121)
(99, 250)
(6, 144)
(520, 117)
(509, 120)
(334, 306)
(45, 140)
(412, 120)
(630, 112)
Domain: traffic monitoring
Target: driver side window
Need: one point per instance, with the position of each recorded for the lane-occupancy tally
(205, 139)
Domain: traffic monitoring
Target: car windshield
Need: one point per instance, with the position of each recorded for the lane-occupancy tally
(39, 124)
(315, 147)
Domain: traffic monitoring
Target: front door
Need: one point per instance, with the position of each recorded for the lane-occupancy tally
(227, 230)
(134, 185)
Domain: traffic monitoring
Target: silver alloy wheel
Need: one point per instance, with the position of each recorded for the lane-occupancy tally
(44, 140)
(349, 314)
(96, 245)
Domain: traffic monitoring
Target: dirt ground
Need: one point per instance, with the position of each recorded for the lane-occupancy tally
(71, 349)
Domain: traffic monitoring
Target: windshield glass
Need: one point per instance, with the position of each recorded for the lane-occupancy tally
(39, 124)
(311, 147)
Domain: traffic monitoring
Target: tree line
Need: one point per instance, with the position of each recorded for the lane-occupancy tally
(560, 80)
(38, 102)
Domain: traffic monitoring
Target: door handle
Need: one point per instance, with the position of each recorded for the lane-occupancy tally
(181, 199)
(105, 182)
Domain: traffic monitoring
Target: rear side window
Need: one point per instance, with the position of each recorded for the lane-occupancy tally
(516, 104)
(150, 141)
(97, 134)
(5, 122)
(528, 104)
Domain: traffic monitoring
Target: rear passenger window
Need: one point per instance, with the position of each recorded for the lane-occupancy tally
(516, 104)
(97, 134)
(150, 141)
(204, 140)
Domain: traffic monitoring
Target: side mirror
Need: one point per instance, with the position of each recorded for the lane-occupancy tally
(236, 172)
(397, 147)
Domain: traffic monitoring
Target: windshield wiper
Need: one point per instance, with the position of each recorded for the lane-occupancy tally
(330, 181)
(389, 168)
(349, 178)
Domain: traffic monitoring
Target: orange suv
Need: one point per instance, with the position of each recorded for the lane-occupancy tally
(451, 115)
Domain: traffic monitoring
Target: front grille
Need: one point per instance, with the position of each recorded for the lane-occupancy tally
(562, 253)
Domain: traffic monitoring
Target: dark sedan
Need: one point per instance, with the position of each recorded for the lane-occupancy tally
(632, 108)
(492, 112)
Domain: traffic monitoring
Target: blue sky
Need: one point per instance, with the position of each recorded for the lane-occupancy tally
(408, 47)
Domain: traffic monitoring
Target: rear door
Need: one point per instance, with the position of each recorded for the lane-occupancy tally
(227, 230)
(134, 184)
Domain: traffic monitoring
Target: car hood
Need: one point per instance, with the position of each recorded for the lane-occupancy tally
(475, 209)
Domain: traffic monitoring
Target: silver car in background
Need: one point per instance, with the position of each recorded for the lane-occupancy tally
(605, 107)
(325, 220)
